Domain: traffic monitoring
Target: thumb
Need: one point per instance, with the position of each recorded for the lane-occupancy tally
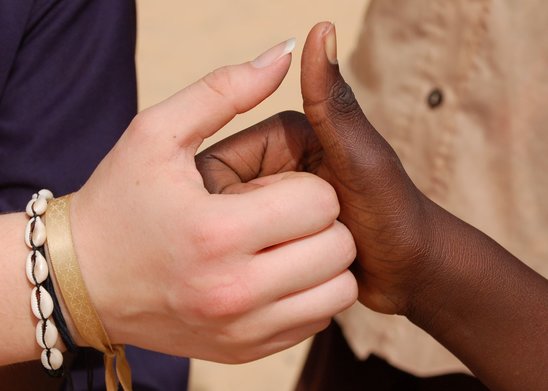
(351, 144)
(201, 109)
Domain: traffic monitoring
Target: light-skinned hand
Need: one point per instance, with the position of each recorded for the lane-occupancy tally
(229, 278)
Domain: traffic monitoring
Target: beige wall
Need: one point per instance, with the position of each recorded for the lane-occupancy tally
(179, 41)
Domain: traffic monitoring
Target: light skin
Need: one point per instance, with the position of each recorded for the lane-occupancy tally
(173, 268)
(414, 258)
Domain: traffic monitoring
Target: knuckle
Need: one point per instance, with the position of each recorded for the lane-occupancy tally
(220, 82)
(341, 100)
(218, 79)
(380, 159)
(241, 336)
(203, 237)
(345, 244)
(299, 131)
(215, 240)
(320, 196)
(241, 344)
(348, 289)
(327, 200)
(305, 191)
(225, 303)
(144, 122)
(338, 245)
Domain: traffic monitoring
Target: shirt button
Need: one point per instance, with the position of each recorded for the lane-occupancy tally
(435, 98)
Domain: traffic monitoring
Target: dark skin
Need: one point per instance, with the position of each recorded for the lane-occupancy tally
(414, 258)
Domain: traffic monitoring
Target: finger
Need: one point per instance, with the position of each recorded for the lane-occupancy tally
(281, 143)
(244, 187)
(237, 187)
(299, 205)
(301, 264)
(283, 340)
(204, 107)
(348, 138)
(288, 338)
(306, 307)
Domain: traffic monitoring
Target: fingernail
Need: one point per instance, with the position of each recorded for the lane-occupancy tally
(274, 54)
(330, 44)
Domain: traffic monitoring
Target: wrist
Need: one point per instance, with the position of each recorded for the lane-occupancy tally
(90, 251)
(436, 278)
(72, 330)
(452, 278)
(76, 293)
(74, 275)
(83, 239)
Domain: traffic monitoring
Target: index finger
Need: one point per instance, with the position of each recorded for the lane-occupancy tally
(284, 142)
(297, 205)
(205, 106)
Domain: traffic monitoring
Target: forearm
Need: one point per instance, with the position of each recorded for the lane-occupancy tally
(486, 306)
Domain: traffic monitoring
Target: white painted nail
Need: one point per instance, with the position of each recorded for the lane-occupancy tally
(272, 55)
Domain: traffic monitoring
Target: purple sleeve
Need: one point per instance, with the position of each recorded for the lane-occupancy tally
(67, 91)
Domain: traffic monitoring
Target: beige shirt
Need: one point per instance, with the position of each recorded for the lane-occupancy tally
(482, 153)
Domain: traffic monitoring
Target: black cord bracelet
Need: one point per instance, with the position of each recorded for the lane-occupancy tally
(59, 318)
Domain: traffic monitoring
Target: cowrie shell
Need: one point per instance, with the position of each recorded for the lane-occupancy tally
(41, 270)
(46, 303)
(55, 358)
(50, 335)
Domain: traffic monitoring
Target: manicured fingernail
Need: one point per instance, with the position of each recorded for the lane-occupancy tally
(330, 44)
(274, 54)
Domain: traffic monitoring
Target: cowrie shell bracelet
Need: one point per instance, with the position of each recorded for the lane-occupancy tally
(37, 272)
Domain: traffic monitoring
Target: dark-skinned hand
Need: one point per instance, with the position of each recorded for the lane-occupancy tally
(413, 257)
(379, 204)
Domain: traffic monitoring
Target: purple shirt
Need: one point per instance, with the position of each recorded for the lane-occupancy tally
(67, 92)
